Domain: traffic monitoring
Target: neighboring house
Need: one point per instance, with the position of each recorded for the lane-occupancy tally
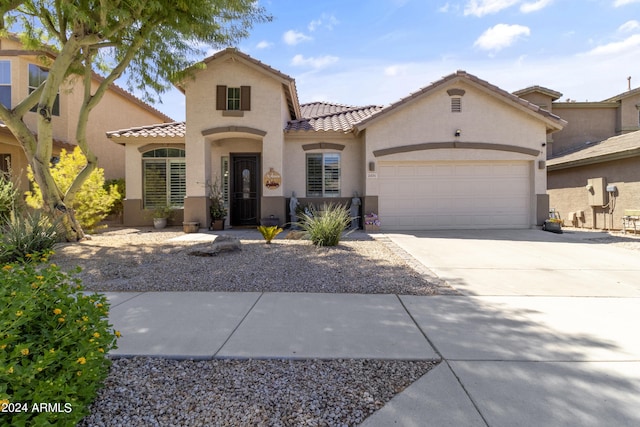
(460, 153)
(22, 71)
(600, 144)
(612, 162)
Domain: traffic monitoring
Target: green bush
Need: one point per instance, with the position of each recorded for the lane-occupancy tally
(118, 207)
(93, 202)
(25, 236)
(53, 341)
(324, 227)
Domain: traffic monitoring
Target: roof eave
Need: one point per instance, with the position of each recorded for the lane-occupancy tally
(634, 152)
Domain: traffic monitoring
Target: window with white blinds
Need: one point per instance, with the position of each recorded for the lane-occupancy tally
(323, 175)
(164, 173)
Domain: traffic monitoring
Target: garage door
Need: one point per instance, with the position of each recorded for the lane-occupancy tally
(454, 195)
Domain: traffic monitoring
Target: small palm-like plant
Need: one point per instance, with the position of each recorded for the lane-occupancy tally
(325, 227)
(269, 232)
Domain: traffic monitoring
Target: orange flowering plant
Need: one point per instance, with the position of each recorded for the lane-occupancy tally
(53, 344)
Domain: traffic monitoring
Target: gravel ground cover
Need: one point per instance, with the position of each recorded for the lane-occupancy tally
(135, 260)
(159, 392)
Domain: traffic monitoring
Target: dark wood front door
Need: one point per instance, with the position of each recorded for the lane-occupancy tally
(245, 189)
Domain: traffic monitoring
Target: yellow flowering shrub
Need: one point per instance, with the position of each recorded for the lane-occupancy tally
(53, 345)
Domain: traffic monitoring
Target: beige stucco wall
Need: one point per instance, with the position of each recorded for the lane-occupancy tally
(567, 192)
(201, 113)
(351, 161)
(484, 119)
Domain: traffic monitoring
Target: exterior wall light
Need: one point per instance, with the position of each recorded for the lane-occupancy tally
(458, 133)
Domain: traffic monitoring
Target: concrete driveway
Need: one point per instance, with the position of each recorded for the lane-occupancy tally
(545, 333)
(526, 262)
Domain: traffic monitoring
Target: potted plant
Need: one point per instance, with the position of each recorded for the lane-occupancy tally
(217, 210)
(371, 222)
(160, 216)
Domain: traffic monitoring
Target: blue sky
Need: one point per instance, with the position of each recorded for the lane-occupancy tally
(378, 51)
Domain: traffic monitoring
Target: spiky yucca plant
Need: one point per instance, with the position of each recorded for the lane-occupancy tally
(269, 232)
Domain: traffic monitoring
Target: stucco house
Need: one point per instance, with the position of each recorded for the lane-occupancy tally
(599, 148)
(22, 70)
(459, 153)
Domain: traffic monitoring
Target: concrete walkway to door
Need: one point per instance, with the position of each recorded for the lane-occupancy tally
(546, 333)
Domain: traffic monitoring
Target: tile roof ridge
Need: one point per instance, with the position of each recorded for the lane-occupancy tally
(348, 109)
(145, 127)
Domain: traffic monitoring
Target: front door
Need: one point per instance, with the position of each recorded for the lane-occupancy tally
(244, 189)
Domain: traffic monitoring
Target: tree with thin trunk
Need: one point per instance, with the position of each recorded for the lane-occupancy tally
(96, 41)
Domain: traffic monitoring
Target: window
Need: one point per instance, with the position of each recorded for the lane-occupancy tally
(323, 175)
(5, 83)
(37, 75)
(233, 98)
(164, 177)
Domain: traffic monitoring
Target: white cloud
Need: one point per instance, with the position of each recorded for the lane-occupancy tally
(326, 21)
(444, 8)
(264, 44)
(314, 62)
(293, 37)
(500, 36)
(630, 43)
(629, 26)
(535, 6)
(480, 8)
(619, 3)
(395, 70)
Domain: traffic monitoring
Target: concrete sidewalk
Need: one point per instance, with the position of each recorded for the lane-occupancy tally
(519, 353)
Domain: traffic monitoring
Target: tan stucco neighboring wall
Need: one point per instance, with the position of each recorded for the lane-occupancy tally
(408, 126)
(567, 192)
(629, 116)
(115, 111)
(587, 122)
(8, 145)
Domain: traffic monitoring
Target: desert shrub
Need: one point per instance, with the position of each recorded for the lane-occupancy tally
(26, 236)
(93, 202)
(8, 194)
(325, 227)
(53, 341)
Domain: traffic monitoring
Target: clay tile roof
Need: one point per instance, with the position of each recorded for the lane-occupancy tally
(323, 116)
(162, 130)
(616, 147)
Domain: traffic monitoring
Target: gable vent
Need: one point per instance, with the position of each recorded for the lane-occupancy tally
(456, 104)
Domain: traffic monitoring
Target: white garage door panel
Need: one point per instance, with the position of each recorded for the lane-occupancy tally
(434, 195)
